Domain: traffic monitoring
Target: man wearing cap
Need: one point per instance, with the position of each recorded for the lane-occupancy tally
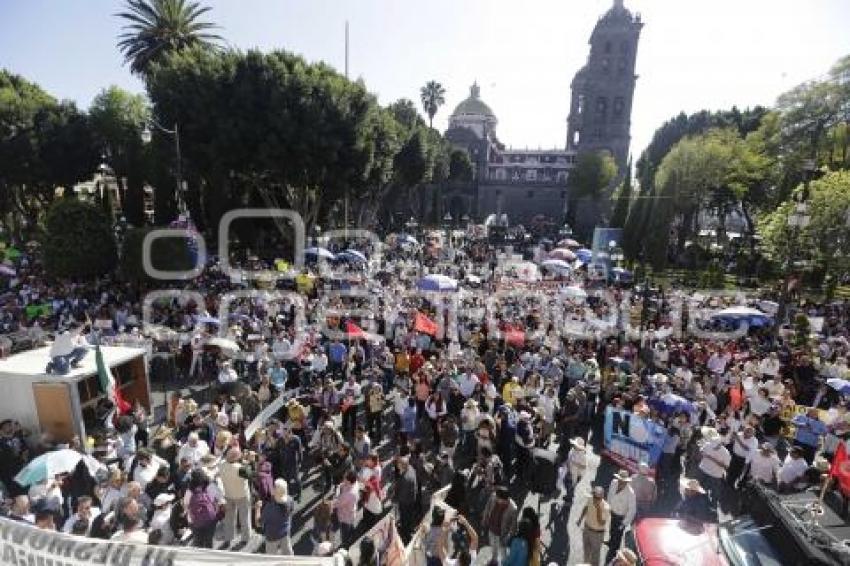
(623, 504)
(714, 461)
(161, 520)
(596, 514)
(645, 488)
(276, 520)
(576, 463)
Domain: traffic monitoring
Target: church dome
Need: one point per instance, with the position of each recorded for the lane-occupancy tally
(473, 106)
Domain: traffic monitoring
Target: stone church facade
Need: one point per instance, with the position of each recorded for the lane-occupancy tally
(531, 185)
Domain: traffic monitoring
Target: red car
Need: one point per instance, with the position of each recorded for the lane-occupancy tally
(666, 542)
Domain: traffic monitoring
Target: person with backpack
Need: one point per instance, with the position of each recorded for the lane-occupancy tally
(204, 505)
(276, 520)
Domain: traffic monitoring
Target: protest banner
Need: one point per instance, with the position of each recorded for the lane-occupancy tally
(26, 545)
(631, 439)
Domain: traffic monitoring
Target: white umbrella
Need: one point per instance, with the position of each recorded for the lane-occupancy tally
(562, 253)
(49, 464)
(737, 312)
(575, 292)
(556, 265)
(223, 343)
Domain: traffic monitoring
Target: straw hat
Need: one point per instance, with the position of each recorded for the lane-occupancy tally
(281, 490)
(627, 556)
(623, 476)
(578, 444)
(709, 433)
(162, 433)
(691, 484)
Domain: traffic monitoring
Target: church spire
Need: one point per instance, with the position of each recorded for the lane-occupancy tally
(618, 4)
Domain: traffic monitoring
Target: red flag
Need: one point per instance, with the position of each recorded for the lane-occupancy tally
(424, 325)
(354, 332)
(840, 469)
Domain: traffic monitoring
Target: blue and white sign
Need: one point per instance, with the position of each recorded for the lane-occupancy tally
(631, 439)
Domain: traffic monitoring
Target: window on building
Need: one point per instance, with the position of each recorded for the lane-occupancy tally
(531, 175)
(601, 107)
(576, 137)
(580, 103)
(619, 106)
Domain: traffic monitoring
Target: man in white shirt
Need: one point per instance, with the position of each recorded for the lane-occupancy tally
(85, 512)
(793, 469)
(623, 504)
(769, 367)
(193, 450)
(765, 464)
(467, 382)
(714, 462)
(548, 402)
(744, 446)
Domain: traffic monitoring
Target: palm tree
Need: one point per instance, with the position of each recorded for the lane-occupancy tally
(433, 96)
(157, 27)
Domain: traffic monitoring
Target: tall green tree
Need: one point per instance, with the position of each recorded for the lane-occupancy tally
(592, 175)
(118, 118)
(826, 239)
(155, 28)
(624, 198)
(44, 144)
(78, 243)
(433, 96)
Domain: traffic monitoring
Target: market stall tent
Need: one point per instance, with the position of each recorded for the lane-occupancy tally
(62, 405)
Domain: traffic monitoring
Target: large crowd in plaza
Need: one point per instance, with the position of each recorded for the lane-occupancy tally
(392, 391)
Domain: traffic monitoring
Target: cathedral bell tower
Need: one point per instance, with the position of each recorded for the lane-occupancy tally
(602, 91)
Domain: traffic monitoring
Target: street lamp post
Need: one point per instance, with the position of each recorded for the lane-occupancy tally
(447, 220)
(175, 132)
(798, 220)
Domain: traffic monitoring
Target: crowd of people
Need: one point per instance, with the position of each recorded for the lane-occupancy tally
(380, 411)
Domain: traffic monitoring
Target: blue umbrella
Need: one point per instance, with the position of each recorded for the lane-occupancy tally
(670, 403)
(840, 385)
(584, 254)
(353, 256)
(437, 283)
(316, 253)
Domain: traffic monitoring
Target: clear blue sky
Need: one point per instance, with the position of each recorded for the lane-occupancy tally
(693, 54)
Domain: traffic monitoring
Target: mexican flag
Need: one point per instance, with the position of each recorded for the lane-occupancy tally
(107, 384)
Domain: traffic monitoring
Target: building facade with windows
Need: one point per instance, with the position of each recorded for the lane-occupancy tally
(526, 184)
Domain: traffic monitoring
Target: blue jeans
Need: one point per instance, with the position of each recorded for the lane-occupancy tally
(61, 365)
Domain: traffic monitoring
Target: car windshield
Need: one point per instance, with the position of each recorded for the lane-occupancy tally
(744, 544)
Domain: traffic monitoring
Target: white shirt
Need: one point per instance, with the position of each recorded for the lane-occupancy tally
(759, 405)
(320, 363)
(769, 367)
(792, 470)
(467, 383)
(622, 502)
(764, 468)
(469, 418)
(711, 455)
(69, 523)
(161, 520)
(749, 448)
(193, 453)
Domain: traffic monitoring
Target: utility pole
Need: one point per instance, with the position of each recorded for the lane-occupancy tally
(346, 185)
